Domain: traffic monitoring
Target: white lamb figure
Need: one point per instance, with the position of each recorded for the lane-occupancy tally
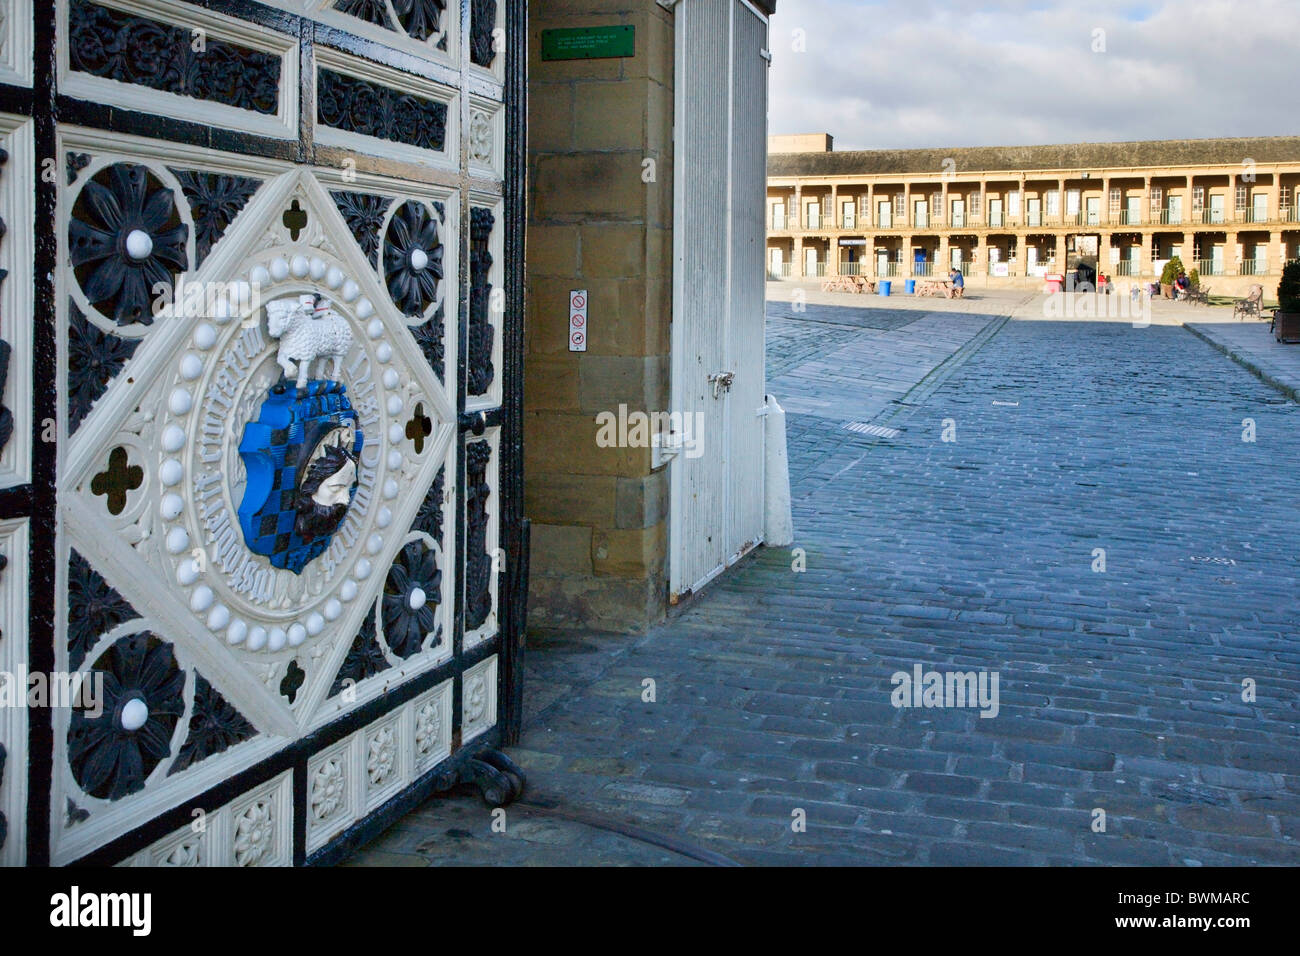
(307, 329)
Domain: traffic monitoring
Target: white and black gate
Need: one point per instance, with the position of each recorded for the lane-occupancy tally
(260, 480)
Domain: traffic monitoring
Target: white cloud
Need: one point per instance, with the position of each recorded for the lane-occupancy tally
(908, 73)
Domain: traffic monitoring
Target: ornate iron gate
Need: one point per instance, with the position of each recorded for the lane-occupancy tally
(260, 502)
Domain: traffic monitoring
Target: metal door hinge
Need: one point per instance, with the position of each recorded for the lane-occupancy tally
(721, 382)
(664, 447)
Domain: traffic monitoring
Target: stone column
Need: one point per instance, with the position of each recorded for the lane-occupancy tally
(599, 515)
(1231, 259)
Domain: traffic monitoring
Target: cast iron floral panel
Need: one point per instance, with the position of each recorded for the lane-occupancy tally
(360, 106)
(146, 52)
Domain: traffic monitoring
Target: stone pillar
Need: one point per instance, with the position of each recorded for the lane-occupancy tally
(796, 269)
(1144, 214)
(835, 223)
(942, 260)
(1231, 257)
(1059, 252)
(599, 534)
(905, 267)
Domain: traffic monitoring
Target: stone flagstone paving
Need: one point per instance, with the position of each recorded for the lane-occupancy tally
(1119, 690)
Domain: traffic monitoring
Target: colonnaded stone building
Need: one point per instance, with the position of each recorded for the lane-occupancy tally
(1008, 216)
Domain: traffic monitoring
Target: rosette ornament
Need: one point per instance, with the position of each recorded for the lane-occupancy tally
(117, 738)
(412, 258)
(413, 589)
(126, 242)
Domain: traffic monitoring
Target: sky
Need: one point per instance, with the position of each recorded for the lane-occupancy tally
(917, 73)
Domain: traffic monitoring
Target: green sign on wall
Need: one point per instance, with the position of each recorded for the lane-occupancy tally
(588, 43)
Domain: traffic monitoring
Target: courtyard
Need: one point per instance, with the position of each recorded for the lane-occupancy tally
(1100, 514)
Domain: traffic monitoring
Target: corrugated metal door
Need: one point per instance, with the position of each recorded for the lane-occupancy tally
(718, 320)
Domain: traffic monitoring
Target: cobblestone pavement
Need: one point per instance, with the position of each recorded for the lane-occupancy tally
(1120, 690)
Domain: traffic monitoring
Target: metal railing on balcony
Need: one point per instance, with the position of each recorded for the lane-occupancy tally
(967, 268)
(888, 270)
(1170, 218)
(781, 271)
(1252, 267)
(848, 222)
(1208, 267)
(1128, 267)
(853, 268)
(1289, 214)
(818, 269)
(995, 220)
(1127, 217)
(922, 269)
(778, 223)
(1254, 215)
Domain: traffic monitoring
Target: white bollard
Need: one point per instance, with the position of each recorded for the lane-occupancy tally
(778, 520)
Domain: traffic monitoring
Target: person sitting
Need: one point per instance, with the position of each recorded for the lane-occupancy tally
(1181, 285)
(958, 284)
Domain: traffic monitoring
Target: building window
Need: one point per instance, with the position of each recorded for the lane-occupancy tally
(1241, 197)
(1053, 202)
(827, 212)
(792, 208)
(1284, 197)
(900, 205)
(1013, 203)
(974, 205)
(1157, 199)
(936, 205)
(1198, 199)
(864, 207)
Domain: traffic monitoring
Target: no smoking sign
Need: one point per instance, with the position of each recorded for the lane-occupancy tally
(578, 321)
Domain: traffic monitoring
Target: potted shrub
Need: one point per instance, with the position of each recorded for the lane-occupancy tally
(1168, 275)
(1286, 320)
(1195, 278)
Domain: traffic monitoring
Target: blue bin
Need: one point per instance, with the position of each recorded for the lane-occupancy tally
(884, 287)
(910, 286)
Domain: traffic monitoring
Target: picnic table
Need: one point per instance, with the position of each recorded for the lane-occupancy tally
(848, 284)
(932, 287)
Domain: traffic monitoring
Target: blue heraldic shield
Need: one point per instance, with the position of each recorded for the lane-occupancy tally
(301, 458)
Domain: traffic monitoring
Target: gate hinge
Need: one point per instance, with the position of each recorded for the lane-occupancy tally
(664, 447)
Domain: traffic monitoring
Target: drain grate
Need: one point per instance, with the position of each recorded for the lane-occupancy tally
(877, 431)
